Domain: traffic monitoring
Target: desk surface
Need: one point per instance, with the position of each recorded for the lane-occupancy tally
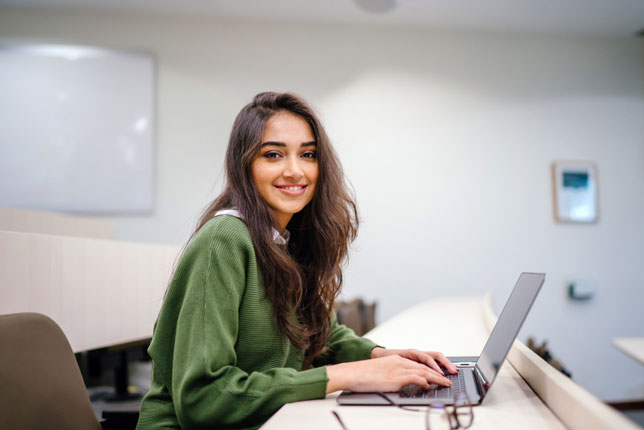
(631, 346)
(454, 327)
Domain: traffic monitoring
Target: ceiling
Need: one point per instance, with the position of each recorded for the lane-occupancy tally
(567, 17)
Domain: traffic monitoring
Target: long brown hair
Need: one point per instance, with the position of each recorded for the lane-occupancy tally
(305, 278)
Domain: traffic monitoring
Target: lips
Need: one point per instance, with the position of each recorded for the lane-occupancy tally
(292, 189)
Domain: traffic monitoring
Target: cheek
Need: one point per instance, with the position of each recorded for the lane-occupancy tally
(261, 174)
(313, 174)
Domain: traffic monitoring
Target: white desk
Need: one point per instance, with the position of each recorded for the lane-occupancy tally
(454, 327)
(631, 346)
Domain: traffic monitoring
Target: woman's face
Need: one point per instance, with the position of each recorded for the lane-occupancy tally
(286, 170)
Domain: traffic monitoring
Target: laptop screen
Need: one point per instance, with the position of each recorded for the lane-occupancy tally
(508, 325)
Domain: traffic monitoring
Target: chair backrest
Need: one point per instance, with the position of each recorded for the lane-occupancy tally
(357, 315)
(40, 383)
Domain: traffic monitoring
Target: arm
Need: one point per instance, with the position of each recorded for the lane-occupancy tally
(344, 345)
(201, 322)
(389, 369)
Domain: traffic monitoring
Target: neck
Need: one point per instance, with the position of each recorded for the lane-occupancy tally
(282, 221)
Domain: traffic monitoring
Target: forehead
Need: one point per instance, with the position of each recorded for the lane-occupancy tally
(285, 126)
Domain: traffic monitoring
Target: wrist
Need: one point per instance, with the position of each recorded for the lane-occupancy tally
(336, 375)
(378, 352)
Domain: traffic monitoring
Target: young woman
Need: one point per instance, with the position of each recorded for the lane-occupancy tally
(247, 322)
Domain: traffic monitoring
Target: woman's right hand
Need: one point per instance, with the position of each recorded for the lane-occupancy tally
(383, 374)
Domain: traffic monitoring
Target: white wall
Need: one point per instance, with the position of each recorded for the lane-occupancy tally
(447, 139)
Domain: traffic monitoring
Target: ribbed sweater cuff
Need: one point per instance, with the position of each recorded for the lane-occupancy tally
(355, 351)
(311, 384)
(366, 347)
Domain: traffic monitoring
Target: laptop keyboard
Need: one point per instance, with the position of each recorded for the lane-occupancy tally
(436, 391)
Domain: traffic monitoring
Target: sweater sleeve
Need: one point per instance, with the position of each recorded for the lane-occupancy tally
(208, 389)
(344, 345)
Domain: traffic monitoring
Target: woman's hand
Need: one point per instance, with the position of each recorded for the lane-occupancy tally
(430, 358)
(387, 373)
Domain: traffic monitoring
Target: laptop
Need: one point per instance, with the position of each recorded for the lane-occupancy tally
(476, 374)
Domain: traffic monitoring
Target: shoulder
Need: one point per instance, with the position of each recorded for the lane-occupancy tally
(224, 226)
(224, 242)
(223, 231)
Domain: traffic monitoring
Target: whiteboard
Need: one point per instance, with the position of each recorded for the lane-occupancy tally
(76, 129)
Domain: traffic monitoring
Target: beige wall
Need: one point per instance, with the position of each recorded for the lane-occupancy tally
(447, 139)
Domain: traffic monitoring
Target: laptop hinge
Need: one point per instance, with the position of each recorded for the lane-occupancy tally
(482, 385)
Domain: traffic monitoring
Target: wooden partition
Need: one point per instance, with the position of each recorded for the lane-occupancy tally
(101, 292)
(573, 405)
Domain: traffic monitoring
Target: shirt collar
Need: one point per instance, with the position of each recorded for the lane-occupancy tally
(281, 239)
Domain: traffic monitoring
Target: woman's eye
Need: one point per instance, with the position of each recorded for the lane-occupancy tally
(272, 155)
(310, 155)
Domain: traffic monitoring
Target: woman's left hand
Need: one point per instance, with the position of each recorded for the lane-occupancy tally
(431, 358)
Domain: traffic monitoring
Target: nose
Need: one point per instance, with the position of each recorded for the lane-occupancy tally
(292, 169)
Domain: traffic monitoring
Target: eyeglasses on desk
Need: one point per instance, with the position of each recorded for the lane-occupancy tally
(438, 416)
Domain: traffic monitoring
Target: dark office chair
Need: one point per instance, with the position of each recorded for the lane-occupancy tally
(41, 384)
(357, 315)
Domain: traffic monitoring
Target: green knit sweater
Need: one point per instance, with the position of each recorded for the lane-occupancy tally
(219, 361)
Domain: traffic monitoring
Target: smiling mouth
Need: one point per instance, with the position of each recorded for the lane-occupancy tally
(292, 189)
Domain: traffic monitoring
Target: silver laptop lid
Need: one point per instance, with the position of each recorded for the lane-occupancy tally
(507, 326)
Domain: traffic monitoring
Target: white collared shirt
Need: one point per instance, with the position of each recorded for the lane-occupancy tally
(279, 239)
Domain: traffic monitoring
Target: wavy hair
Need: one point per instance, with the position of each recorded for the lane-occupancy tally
(304, 278)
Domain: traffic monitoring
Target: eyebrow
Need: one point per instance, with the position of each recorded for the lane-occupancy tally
(282, 144)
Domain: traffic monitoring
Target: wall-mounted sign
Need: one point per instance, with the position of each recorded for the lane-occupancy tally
(575, 191)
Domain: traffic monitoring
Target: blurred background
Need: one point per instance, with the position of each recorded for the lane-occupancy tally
(447, 117)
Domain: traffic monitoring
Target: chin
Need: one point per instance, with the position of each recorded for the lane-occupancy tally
(291, 211)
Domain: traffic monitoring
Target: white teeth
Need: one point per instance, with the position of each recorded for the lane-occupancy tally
(292, 188)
